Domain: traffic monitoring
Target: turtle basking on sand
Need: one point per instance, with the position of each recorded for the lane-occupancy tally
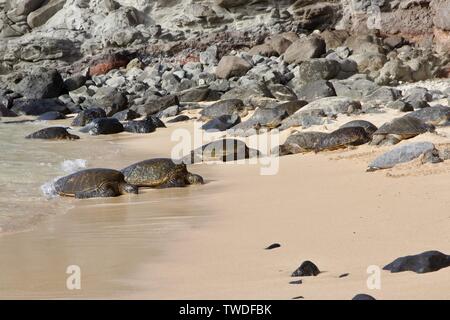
(221, 150)
(400, 129)
(368, 126)
(406, 153)
(160, 173)
(53, 133)
(343, 137)
(437, 115)
(301, 142)
(94, 183)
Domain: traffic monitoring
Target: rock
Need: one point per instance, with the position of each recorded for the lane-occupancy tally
(304, 49)
(104, 64)
(86, 116)
(280, 43)
(316, 69)
(306, 269)
(125, 115)
(51, 115)
(5, 112)
(109, 99)
(315, 90)
(209, 56)
(40, 83)
(194, 95)
(247, 92)
(169, 112)
(383, 95)
(74, 82)
(400, 105)
(291, 107)
(222, 123)
(156, 104)
(334, 38)
(363, 296)
(269, 118)
(393, 72)
(36, 107)
(441, 16)
(43, 14)
(26, 6)
(222, 108)
(354, 87)
(394, 41)
(429, 261)
(231, 66)
(221, 150)
(102, 126)
(264, 50)
(405, 153)
(282, 93)
(333, 105)
(156, 121)
(273, 246)
(304, 119)
(140, 126)
(230, 3)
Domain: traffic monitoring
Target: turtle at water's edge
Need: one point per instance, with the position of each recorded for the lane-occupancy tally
(160, 173)
(53, 133)
(94, 183)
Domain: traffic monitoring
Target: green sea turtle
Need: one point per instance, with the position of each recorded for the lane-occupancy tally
(53, 133)
(343, 137)
(368, 126)
(94, 183)
(400, 129)
(160, 173)
(301, 142)
(436, 115)
(221, 150)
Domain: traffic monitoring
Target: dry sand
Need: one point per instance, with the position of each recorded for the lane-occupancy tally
(206, 242)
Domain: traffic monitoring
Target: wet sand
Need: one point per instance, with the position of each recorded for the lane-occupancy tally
(206, 242)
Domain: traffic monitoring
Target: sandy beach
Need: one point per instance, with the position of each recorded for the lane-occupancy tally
(319, 207)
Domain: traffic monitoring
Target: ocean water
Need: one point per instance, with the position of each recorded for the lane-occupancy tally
(28, 168)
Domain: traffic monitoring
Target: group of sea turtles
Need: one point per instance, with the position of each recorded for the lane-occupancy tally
(163, 173)
(99, 182)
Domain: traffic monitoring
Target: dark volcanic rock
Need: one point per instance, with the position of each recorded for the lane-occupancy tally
(140, 126)
(156, 105)
(103, 126)
(194, 94)
(40, 83)
(316, 90)
(36, 107)
(306, 269)
(428, 261)
(126, 115)
(5, 112)
(86, 116)
(223, 107)
(109, 99)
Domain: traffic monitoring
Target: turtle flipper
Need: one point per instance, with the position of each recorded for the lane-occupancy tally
(173, 183)
(103, 192)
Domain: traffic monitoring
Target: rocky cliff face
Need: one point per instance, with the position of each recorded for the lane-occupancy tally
(65, 30)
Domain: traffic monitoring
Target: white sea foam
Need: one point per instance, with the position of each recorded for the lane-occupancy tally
(48, 189)
(71, 166)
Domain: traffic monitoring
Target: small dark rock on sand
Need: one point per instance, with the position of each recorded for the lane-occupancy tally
(306, 269)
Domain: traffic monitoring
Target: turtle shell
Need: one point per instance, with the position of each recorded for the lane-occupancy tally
(87, 180)
(153, 172)
(404, 126)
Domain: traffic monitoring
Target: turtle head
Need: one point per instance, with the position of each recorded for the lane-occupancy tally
(192, 178)
(127, 188)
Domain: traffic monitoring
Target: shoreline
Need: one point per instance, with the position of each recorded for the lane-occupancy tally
(208, 241)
